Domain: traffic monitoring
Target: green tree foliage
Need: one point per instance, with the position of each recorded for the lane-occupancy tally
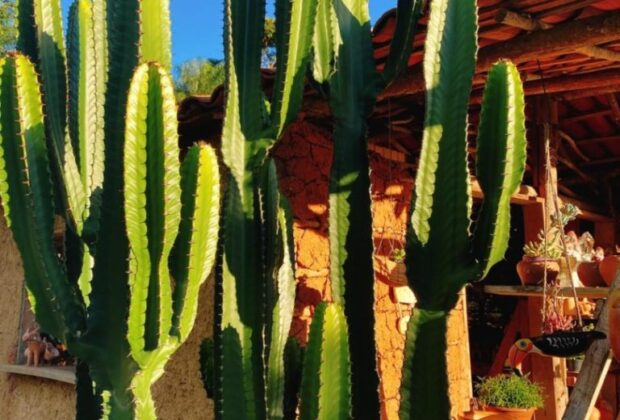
(8, 31)
(201, 76)
(198, 77)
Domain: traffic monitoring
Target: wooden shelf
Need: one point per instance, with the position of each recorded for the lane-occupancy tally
(55, 373)
(537, 291)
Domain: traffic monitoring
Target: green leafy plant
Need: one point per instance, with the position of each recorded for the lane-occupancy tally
(509, 391)
(442, 254)
(142, 228)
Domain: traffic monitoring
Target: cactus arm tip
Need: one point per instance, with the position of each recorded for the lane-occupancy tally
(500, 160)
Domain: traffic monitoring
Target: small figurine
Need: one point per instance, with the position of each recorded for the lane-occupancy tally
(35, 347)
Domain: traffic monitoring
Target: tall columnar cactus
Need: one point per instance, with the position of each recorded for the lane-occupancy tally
(255, 284)
(142, 230)
(344, 58)
(442, 255)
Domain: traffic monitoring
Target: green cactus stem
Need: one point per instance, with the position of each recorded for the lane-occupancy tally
(142, 229)
(442, 255)
(326, 379)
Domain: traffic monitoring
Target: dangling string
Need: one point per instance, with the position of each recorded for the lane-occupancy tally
(553, 194)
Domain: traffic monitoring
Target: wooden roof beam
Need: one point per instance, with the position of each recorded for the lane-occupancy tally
(585, 116)
(563, 38)
(561, 84)
(510, 18)
(595, 140)
(599, 162)
(583, 93)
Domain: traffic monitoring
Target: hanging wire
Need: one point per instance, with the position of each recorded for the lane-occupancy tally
(553, 193)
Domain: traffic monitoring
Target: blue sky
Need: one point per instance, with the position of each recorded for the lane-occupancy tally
(197, 26)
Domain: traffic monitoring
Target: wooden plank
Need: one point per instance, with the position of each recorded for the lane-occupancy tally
(537, 291)
(524, 196)
(60, 374)
(593, 372)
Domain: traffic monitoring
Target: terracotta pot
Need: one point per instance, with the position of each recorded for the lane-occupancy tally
(609, 267)
(532, 270)
(589, 274)
(614, 322)
(497, 413)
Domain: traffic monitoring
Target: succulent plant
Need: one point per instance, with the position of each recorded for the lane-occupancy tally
(442, 254)
(550, 248)
(142, 229)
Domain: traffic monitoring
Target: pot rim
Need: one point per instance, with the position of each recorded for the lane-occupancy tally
(509, 409)
(539, 259)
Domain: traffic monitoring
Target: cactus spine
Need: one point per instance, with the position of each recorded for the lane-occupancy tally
(442, 255)
(141, 229)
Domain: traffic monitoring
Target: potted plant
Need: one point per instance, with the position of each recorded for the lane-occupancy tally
(544, 255)
(540, 256)
(509, 397)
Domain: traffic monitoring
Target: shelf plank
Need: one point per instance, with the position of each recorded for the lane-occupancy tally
(55, 373)
(537, 291)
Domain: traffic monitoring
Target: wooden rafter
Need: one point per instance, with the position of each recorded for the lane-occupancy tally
(573, 145)
(569, 6)
(586, 116)
(615, 108)
(569, 83)
(570, 165)
(595, 140)
(563, 38)
(510, 18)
(583, 93)
(600, 162)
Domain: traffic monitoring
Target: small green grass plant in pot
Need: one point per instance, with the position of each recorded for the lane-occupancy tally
(510, 397)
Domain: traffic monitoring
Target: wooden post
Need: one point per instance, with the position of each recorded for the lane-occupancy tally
(593, 372)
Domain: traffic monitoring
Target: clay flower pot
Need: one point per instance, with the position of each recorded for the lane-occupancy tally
(498, 413)
(609, 267)
(589, 274)
(531, 270)
(614, 322)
